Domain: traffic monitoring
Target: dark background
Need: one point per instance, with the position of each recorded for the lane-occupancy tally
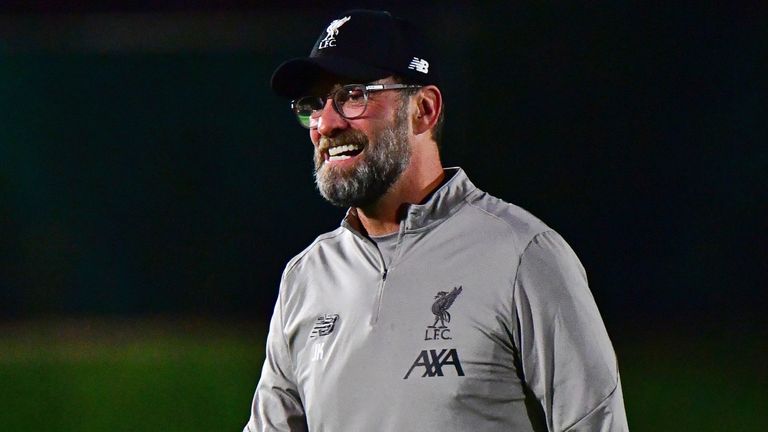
(146, 170)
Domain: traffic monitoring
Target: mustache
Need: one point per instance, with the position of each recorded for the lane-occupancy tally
(344, 138)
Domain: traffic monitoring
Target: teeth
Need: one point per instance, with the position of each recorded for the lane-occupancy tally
(338, 158)
(333, 151)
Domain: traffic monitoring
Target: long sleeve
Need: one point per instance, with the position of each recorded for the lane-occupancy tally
(276, 404)
(567, 359)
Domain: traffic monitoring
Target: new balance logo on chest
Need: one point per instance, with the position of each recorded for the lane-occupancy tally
(324, 325)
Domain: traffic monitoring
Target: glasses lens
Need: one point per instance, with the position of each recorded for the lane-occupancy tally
(351, 100)
(308, 109)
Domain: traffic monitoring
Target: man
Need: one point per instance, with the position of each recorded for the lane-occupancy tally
(434, 306)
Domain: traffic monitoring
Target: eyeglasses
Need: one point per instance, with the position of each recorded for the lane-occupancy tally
(349, 101)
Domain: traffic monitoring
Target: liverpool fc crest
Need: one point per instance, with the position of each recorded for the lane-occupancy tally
(443, 301)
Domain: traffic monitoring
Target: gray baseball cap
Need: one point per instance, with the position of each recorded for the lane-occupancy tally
(360, 46)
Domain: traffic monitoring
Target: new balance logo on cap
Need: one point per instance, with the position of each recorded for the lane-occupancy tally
(419, 65)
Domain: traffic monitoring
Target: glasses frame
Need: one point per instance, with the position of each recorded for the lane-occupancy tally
(367, 90)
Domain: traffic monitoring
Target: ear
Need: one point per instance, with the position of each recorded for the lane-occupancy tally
(429, 103)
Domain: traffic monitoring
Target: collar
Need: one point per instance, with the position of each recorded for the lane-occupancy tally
(445, 201)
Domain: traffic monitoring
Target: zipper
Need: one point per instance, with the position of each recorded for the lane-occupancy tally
(380, 294)
(383, 272)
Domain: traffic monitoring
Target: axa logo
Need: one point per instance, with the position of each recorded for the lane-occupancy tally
(324, 325)
(433, 362)
(331, 32)
(419, 65)
(443, 301)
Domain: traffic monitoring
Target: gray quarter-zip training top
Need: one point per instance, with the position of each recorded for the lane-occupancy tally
(483, 321)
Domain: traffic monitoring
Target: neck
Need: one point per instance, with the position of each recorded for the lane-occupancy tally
(384, 216)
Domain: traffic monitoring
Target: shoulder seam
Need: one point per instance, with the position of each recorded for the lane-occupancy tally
(327, 236)
(517, 273)
(505, 222)
(281, 292)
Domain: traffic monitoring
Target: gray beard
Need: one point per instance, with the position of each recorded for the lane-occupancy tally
(382, 165)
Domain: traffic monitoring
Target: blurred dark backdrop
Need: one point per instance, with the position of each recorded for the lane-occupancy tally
(146, 168)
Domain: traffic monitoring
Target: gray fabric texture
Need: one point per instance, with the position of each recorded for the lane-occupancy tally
(483, 321)
(387, 245)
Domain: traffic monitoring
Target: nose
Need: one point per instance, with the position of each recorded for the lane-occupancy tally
(330, 121)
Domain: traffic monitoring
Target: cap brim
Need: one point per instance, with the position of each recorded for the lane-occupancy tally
(297, 77)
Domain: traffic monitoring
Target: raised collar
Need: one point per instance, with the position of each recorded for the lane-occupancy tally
(443, 202)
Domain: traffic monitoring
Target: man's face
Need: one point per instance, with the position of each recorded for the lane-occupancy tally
(357, 161)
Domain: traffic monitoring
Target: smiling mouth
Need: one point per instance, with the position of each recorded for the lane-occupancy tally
(343, 152)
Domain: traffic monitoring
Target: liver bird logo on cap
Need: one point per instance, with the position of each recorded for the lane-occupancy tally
(331, 31)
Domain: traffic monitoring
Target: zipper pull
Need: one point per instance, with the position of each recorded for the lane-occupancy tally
(384, 275)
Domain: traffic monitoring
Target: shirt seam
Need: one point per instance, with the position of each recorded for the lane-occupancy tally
(505, 222)
(597, 406)
(514, 288)
(300, 256)
(284, 338)
(514, 291)
(517, 270)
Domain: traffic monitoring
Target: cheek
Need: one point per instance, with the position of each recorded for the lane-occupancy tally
(314, 136)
